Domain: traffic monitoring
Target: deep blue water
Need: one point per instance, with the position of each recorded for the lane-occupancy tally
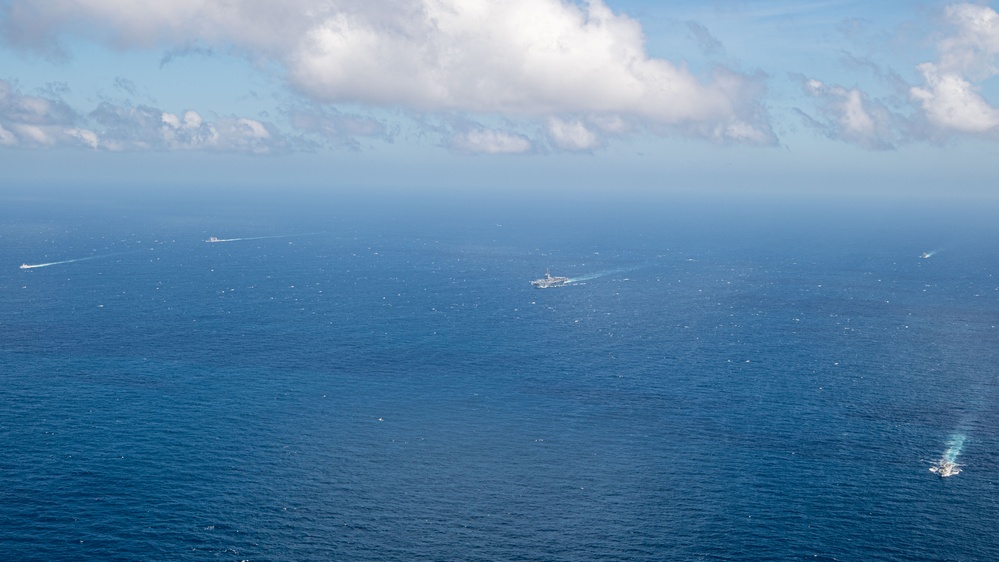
(375, 379)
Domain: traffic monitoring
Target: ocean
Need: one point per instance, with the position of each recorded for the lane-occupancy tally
(374, 378)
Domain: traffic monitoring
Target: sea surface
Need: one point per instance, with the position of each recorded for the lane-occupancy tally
(374, 378)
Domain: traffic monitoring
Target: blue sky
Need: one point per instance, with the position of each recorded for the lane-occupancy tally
(881, 98)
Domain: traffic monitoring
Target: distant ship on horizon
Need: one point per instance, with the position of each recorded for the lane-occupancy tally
(549, 281)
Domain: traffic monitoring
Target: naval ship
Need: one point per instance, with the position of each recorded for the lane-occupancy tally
(945, 468)
(549, 281)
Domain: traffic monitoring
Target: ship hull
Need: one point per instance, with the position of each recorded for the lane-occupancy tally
(548, 282)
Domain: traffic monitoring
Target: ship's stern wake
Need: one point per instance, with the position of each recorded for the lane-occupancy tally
(947, 465)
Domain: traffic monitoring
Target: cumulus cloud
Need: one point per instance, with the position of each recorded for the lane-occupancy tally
(37, 122)
(572, 135)
(972, 48)
(950, 96)
(948, 102)
(850, 115)
(232, 134)
(552, 62)
(953, 103)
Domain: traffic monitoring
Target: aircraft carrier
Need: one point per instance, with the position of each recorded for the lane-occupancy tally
(549, 281)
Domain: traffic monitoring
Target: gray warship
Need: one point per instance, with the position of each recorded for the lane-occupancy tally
(549, 281)
(945, 468)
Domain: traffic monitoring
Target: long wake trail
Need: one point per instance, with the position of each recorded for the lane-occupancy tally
(37, 265)
(603, 273)
(954, 447)
(947, 465)
(216, 240)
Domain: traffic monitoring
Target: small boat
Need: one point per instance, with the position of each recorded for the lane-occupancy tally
(213, 239)
(25, 266)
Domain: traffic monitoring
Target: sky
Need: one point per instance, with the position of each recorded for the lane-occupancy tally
(888, 99)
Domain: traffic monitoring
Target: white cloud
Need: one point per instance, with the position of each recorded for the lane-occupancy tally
(535, 59)
(950, 96)
(171, 120)
(228, 133)
(973, 48)
(530, 60)
(741, 131)
(192, 120)
(85, 136)
(948, 102)
(953, 103)
(491, 141)
(7, 138)
(572, 135)
(34, 121)
(38, 122)
(34, 135)
(849, 115)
